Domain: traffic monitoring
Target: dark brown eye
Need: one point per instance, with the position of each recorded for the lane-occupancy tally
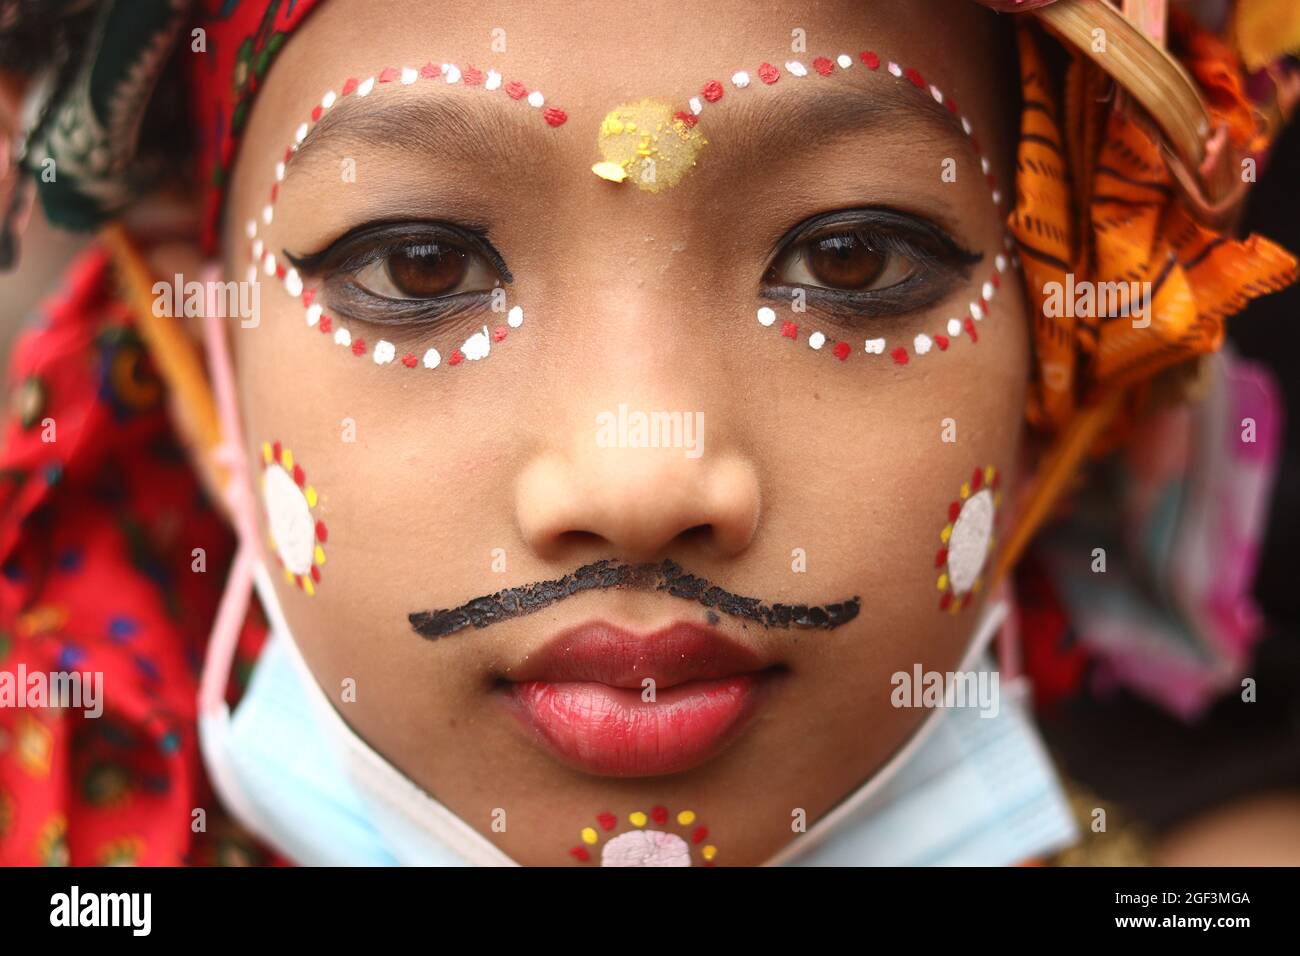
(844, 262)
(426, 271)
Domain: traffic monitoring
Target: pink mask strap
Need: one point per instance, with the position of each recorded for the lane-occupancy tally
(239, 501)
(1009, 636)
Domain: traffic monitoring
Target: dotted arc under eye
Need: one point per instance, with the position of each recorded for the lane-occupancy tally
(478, 345)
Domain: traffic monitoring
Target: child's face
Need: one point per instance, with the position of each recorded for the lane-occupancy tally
(800, 475)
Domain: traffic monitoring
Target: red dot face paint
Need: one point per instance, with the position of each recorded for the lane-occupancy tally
(900, 353)
(967, 539)
(659, 837)
(296, 537)
(265, 262)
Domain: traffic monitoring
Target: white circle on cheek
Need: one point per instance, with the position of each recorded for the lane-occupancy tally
(646, 848)
(289, 518)
(969, 543)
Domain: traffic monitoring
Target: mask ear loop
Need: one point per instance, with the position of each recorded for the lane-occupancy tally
(228, 455)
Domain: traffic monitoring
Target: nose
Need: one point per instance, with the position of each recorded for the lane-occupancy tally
(602, 498)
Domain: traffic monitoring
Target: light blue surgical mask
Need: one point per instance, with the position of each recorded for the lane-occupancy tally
(965, 789)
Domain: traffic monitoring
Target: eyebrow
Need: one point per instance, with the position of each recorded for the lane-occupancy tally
(488, 132)
(795, 121)
(452, 128)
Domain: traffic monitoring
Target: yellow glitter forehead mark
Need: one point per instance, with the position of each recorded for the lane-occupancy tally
(644, 143)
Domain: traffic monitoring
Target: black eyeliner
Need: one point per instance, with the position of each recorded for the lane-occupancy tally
(917, 239)
(373, 240)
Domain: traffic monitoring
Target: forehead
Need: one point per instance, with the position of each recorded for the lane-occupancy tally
(635, 49)
(589, 58)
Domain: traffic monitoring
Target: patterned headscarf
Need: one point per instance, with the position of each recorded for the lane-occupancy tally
(90, 128)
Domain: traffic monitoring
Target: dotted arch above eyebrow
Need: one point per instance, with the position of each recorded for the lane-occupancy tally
(489, 80)
(714, 91)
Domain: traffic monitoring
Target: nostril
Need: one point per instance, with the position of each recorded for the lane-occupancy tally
(698, 535)
(580, 542)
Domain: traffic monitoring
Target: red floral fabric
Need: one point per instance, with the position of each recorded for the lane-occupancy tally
(111, 562)
(242, 39)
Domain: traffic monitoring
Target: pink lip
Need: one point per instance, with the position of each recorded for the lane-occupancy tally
(582, 694)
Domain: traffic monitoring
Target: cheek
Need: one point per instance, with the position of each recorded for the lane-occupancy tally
(904, 487)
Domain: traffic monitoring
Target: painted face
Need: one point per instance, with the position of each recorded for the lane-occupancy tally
(657, 419)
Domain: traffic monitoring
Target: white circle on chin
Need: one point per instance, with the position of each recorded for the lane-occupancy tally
(969, 543)
(646, 848)
(289, 516)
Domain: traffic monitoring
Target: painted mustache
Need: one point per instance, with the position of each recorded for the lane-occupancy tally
(666, 576)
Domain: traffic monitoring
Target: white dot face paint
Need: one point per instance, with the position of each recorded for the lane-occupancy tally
(900, 352)
(289, 518)
(477, 345)
(646, 848)
(968, 547)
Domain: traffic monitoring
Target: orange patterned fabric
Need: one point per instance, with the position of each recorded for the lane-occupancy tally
(1098, 213)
